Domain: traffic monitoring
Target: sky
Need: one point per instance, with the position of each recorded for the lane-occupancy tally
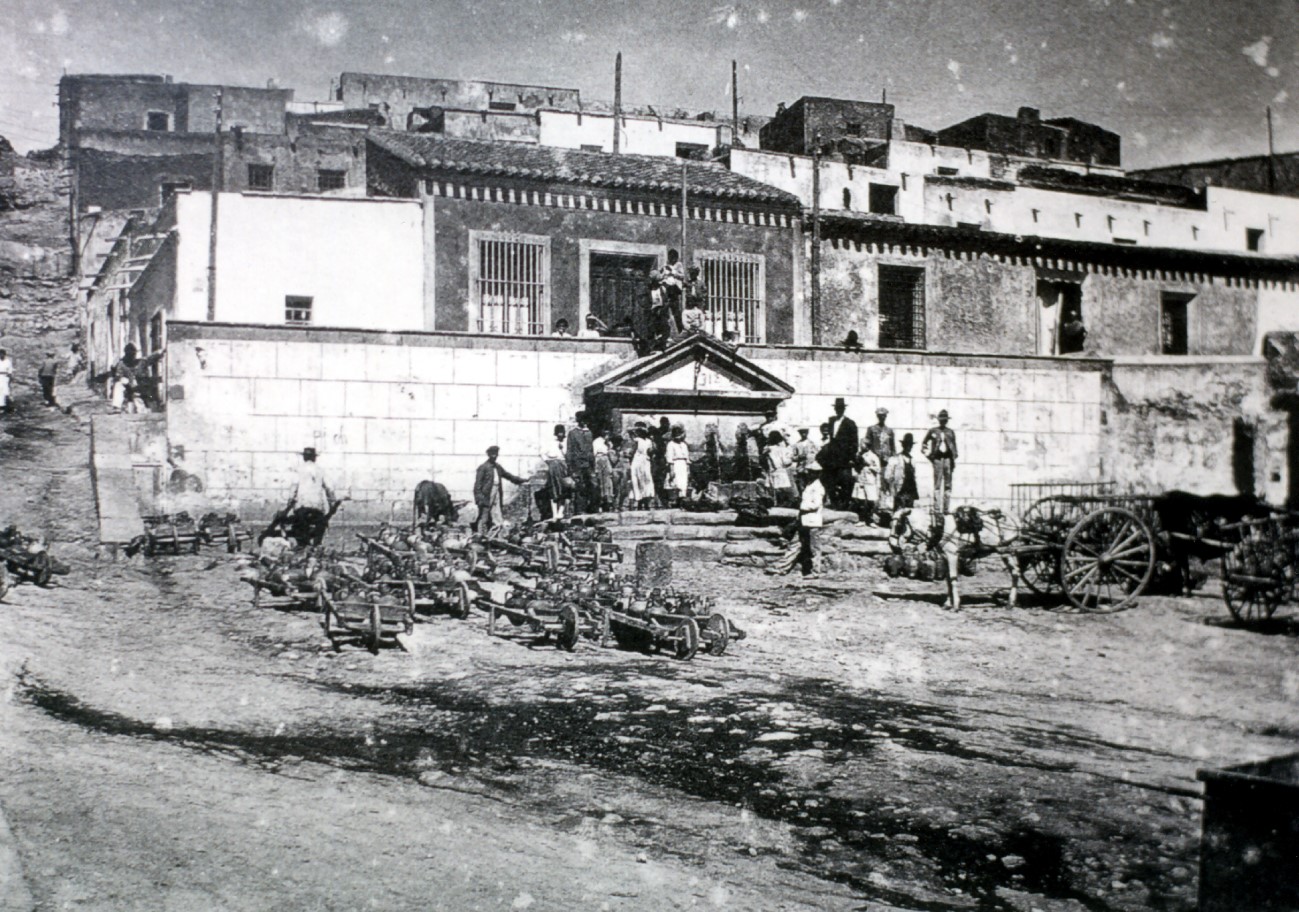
(1179, 80)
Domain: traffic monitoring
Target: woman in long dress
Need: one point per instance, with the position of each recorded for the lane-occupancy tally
(678, 459)
(779, 479)
(642, 475)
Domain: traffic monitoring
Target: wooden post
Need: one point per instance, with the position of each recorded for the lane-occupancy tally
(815, 303)
(216, 195)
(684, 201)
(617, 103)
(735, 104)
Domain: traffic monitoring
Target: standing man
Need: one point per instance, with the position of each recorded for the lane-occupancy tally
(804, 452)
(804, 547)
(580, 455)
(6, 377)
(313, 501)
(940, 446)
(838, 457)
(47, 374)
(880, 441)
(489, 492)
(674, 287)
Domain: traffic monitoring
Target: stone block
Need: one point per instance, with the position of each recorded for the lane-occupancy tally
(525, 438)
(555, 370)
(228, 470)
(342, 362)
(861, 533)
(250, 358)
(215, 359)
(362, 399)
(765, 533)
(911, 381)
(275, 472)
(474, 365)
(276, 397)
(1051, 386)
(292, 434)
(697, 552)
(1069, 418)
(455, 402)
(517, 368)
(321, 397)
(697, 533)
(229, 395)
(841, 378)
(387, 363)
(857, 546)
(1001, 415)
(648, 532)
(387, 435)
(805, 377)
(344, 435)
(946, 383)
(431, 436)
(752, 549)
(653, 565)
(410, 400)
(246, 433)
(684, 517)
(876, 380)
(472, 438)
(1035, 417)
(432, 365)
(298, 360)
(501, 403)
(982, 384)
(1085, 386)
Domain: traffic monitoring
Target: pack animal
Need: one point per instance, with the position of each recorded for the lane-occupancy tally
(433, 505)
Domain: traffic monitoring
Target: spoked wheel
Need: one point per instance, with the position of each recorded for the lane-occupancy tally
(463, 602)
(4, 580)
(717, 633)
(1107, 561)
(568, 632)
(1250, 603)
(232, 541)
(687, 639)
(375, 627)
(1040, 569)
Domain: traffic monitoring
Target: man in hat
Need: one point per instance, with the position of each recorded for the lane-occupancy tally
(580, 455)
(47, 374)
(489, 492)
(837, 458)
(311, 502)
(804, 546)
(804, 454)
(940, 446)
(880, 441)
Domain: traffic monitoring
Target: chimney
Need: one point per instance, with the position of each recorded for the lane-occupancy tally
(780, 108)
(1029, 115)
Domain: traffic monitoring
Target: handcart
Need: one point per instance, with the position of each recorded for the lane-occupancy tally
(372, 616)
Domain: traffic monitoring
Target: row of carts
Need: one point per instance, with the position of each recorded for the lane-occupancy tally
(550, 584)
(1095, 550)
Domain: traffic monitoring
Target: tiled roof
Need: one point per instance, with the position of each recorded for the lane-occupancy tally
(654, 174)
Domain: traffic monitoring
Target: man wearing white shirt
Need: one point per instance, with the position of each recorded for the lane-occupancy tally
(804, 548)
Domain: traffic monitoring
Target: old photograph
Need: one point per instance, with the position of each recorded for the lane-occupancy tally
(635, 455)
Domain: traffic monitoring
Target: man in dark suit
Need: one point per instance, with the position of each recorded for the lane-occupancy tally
(940, 446)
(488, 493)
(838, 456)
(580, 456)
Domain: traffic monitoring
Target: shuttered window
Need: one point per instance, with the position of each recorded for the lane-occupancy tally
(509, 276)
(737, 289)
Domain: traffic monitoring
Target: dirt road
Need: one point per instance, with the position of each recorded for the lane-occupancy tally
(164, 745)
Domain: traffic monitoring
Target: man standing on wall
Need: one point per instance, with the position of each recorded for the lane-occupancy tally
(674, 286)
(580, 455)
(838, 456)
(489, 492)
(940, 446)
(880, 441)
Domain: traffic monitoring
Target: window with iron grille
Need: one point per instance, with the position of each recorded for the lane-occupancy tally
(157, 121)
(736, 286)
(327, 179)
(1174, 323)
(902, 307)
(297, 310)
(509, 282)
(261, 177)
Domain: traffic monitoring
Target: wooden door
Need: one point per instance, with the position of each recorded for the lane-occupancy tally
(620, 289)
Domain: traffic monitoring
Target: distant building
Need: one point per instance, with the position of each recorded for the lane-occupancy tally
(1274, 174)
(797, 128)
(1028, 136)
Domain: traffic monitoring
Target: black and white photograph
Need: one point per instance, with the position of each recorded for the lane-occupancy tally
(637, 455)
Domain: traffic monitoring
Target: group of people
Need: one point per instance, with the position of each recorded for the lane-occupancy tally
(677, 306)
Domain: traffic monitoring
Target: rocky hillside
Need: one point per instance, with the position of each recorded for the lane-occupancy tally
(37, 290)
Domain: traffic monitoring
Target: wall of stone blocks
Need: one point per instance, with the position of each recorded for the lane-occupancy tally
(1016, 419)
(385, 411)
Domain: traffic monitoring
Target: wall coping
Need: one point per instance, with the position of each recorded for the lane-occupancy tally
(1186, 360)
(188, 329)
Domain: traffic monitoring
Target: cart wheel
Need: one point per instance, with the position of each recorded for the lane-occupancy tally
(1040, 571)
(1107, 561)
(1250, 603)
(4, 580)
(150, 548)
(41, 568)
(376, 625)
(491, 619)
(717, 633)
(232, 541)
(687, 640)
(567, 637)
(196, 546)
(463, 601)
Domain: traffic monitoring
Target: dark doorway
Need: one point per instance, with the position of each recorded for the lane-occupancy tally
(620, 289)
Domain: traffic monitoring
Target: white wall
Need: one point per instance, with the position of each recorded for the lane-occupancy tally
(640, 135)
(361, 260)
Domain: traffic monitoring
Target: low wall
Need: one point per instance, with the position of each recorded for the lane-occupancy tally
(386, 410)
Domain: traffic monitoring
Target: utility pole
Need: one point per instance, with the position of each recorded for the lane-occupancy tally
(212, 221)
(684, 201)
(1271, 155)
(735, 103)
(617, 103)
(816, 239)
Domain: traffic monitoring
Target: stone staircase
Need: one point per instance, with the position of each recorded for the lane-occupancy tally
(712, 537)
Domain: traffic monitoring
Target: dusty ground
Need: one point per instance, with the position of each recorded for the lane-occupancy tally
(164, 745)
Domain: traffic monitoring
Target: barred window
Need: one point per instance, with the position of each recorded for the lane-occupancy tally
(902, 307)
(736, 290)
(330, 179)
(297, 310)
(509, 279)
(261, 177)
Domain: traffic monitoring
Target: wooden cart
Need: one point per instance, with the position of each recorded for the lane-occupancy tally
(546, 614)
(1259, 566)
(373, 617)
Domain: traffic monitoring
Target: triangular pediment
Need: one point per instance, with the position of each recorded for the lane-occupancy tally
(697, 365)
